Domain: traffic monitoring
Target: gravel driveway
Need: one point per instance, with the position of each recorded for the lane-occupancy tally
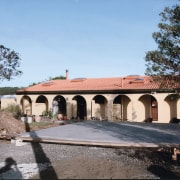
(58, 161)
(55, 161)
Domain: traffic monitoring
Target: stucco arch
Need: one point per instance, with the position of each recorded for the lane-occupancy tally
(61, 104)
(149, 107)
(79, 107)
(26, 105)
(172, 100)
(41, 105)
(120, 107)
(99, 107)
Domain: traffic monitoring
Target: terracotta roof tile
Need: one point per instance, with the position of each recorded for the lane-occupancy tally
(82, 84)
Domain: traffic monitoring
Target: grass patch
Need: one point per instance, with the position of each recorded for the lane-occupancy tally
(40, 124)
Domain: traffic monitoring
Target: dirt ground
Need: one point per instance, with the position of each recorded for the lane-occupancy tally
(14, 126)
(124, 164)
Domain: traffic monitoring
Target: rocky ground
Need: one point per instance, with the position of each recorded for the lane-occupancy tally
(51, 161)
(55, 161)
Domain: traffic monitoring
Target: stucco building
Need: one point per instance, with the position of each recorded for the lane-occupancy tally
(132, 98)
(7, 100)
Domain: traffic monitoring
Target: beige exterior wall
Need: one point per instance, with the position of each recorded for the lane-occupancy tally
(163, 109)
(5, 102)
(133, 107)
(178, 110)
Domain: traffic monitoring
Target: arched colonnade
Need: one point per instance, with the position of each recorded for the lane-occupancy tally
(161, 107)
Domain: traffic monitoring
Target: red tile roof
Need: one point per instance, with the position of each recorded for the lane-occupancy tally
(94, 84)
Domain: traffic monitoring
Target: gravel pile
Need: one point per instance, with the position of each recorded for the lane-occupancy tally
(42, 160)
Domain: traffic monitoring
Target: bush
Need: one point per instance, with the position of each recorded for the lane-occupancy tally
(14, 109)
(47, 113)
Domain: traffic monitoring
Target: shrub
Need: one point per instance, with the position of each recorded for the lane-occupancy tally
(14, 109)
(47, 113)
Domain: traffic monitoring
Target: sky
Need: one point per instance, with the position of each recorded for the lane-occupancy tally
(90, 38)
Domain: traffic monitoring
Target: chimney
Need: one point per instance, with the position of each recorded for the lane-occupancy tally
(66, 74)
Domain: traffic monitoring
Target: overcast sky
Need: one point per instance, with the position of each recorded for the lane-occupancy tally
(90, 38)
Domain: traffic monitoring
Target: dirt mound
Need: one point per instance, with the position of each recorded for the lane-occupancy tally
(13, 126)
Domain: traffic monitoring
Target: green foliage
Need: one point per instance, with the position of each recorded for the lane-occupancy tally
(58, 77)
(164, 63)
(9, 63)
(40, 124)
(33, 84)
(47, 113)
(14, 109)
(50, 78)
(8, 90)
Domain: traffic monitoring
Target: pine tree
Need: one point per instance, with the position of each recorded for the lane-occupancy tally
(163, 64)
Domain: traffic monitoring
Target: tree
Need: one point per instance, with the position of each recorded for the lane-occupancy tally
(8, 90)
(58, 77)
(163, 64)
(49, 79)
(9, 63)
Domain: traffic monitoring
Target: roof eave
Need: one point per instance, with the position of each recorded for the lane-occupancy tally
(96, 91)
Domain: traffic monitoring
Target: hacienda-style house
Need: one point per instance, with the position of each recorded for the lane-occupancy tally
(131, 98)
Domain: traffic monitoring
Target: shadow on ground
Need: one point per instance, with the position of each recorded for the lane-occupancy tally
(137, 132)
(11, 168)
(41, 157)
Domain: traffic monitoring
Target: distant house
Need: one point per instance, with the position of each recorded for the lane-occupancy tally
(131, 98)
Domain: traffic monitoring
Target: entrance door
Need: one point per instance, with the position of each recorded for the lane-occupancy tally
(154, 110)
(81, 112)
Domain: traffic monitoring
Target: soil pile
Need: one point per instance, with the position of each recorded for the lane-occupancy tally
(12, 125)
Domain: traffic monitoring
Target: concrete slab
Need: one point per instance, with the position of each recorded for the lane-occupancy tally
(110, 134)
